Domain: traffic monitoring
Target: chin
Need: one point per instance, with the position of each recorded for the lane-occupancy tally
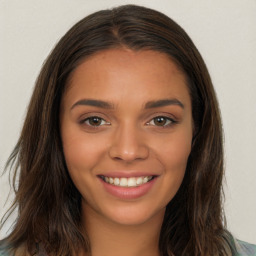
(132, 215)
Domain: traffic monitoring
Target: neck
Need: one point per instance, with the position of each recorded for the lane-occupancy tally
(113, 239)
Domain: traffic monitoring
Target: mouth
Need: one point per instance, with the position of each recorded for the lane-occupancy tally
(130, 182)
(128, 188)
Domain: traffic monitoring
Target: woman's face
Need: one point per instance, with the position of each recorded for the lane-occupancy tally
(126, 128)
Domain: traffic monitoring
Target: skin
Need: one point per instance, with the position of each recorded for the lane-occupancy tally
(127, 138)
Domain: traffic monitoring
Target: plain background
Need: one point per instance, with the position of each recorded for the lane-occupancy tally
(224, 32)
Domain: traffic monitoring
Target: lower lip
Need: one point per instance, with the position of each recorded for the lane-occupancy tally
(128, 192)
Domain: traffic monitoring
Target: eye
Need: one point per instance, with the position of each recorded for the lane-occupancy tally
(161, 121)
(95, 121)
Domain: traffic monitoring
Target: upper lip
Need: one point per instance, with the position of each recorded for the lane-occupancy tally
(128, 174)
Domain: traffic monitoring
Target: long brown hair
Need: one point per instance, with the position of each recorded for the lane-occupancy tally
(49, 205)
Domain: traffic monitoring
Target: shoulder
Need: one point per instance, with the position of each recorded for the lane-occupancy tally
(244, 249)
(21, 250)
(4, 252)
(4, 248)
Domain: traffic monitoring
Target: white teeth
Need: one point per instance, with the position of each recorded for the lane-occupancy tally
(123, 182)
(131, 182)
(127, 182)
(145, 179)
(116, 181)
(139, 181)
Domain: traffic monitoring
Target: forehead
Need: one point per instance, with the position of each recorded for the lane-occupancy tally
(120, 73)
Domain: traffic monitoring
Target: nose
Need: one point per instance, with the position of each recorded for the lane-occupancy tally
(128, 145)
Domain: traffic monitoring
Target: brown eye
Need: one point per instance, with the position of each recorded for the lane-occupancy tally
(161, 121)
(95, 121)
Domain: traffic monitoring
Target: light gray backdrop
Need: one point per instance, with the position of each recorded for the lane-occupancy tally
(224, 32)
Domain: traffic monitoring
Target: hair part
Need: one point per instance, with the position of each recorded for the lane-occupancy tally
(49, 205)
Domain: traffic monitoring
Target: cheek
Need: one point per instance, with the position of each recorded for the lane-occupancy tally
(175, 163)
(82, 155)
(173, 151)
(176, 154)
(173, 157)
(80, 151)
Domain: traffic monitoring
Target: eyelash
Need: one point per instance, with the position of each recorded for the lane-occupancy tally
(168, 120)
(88, 119)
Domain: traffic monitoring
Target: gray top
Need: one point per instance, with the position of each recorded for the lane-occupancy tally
(244, 249)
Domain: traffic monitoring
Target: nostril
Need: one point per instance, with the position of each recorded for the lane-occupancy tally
(129, 155)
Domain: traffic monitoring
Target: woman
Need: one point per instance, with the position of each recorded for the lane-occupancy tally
(121, 150)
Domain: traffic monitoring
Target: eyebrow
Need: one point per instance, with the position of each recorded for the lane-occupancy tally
(163, 103)
(107, 105)
(94, 103)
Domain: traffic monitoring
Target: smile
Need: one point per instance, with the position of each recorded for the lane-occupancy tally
(127, 182)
